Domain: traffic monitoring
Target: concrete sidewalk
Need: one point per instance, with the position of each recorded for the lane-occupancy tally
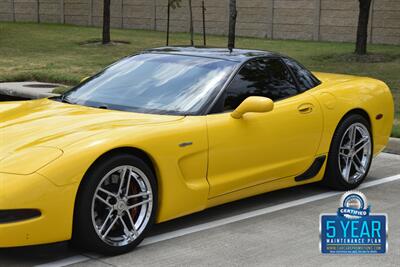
(30, 90)
(393, 146)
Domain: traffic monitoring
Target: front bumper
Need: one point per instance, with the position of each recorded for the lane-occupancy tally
(55, 203)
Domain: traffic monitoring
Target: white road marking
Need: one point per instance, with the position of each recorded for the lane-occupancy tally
(228, 220)
(65, 262)
(255, 213)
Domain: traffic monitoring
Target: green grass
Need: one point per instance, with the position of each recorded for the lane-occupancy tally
(61, 89)
(54, 53)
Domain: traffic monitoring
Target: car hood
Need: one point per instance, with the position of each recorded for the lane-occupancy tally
(48, 123)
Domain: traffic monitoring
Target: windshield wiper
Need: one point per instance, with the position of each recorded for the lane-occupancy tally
(64, 100)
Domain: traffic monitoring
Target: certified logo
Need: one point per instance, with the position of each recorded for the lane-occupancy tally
(354, 205)
(353, 229)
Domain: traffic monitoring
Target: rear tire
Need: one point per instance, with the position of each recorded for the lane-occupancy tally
(116, 205)
(350, 154)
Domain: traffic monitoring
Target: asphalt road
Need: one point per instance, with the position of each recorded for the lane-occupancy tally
(273, 229)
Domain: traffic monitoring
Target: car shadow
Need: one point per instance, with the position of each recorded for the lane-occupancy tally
(39, 254)
(34, 255)
(238, 207)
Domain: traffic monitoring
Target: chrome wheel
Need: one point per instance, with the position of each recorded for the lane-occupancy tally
(355, 153)
(122, 205)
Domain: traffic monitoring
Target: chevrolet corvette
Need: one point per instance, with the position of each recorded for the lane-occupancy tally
(172, 131)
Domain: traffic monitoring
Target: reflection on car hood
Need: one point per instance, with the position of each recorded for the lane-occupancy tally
(45, 122)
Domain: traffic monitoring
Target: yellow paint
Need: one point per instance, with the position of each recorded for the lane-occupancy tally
(84, 79)
(46, 147)
(253, 104)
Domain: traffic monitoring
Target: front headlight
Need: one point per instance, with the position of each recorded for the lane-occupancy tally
(29, 160)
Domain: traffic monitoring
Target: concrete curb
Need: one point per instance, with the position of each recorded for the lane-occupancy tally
(30, 90)
(393, 146)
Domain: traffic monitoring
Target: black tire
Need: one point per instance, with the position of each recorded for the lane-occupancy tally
(333, 177)
(84, 234)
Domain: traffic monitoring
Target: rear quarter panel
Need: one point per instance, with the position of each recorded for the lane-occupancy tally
(340, 94)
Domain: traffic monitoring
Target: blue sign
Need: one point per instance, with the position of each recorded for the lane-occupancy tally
(353, 229)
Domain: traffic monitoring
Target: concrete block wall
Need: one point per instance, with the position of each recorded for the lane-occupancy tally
(325, 20)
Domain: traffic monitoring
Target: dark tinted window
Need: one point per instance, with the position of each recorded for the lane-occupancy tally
(304, 77)
(154, 83)
(266, 77)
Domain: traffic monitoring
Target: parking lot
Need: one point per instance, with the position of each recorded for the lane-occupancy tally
(274, 229)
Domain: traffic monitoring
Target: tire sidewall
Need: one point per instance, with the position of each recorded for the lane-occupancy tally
(334, 177)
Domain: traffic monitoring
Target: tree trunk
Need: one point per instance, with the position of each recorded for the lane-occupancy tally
(168, 15)
(203, 9)
(232, 24)
(191, 23)
(106, 22)
(362, 30)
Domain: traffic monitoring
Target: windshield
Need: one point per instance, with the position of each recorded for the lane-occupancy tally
(154, 83)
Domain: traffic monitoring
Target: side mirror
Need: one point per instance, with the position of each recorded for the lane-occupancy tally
(84, 79)
(253, 104)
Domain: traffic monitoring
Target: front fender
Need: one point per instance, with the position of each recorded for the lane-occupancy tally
(181, 170)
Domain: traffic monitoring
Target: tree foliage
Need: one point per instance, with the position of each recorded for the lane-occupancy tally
(175, 3)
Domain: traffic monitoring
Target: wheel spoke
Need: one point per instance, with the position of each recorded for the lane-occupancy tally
(105, 221)
(362, 147)
(110, 227)
(103, 200)
(353, 136)
(128, 183)
(132, 223)
(122, 180)
(359, 167)
(107, 192)
(142, 194)
(345, 148)
(362, 140)
(139, 204)
(347, 168)
(350, 135)
(126, 229)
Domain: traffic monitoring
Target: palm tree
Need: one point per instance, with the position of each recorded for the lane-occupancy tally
(232, 24)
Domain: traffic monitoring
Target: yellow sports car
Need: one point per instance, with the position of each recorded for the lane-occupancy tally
(172, 131)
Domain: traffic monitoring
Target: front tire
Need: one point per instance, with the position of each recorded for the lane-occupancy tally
(350, 154)
(116, 205)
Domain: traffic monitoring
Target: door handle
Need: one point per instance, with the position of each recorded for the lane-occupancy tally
(305, 108)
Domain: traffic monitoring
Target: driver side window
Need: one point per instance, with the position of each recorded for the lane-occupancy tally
(267, 77)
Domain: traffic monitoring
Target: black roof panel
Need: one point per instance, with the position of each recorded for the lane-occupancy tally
(237, 55)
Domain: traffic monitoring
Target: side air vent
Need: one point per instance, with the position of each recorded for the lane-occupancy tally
(11, 216)
(313, 170)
